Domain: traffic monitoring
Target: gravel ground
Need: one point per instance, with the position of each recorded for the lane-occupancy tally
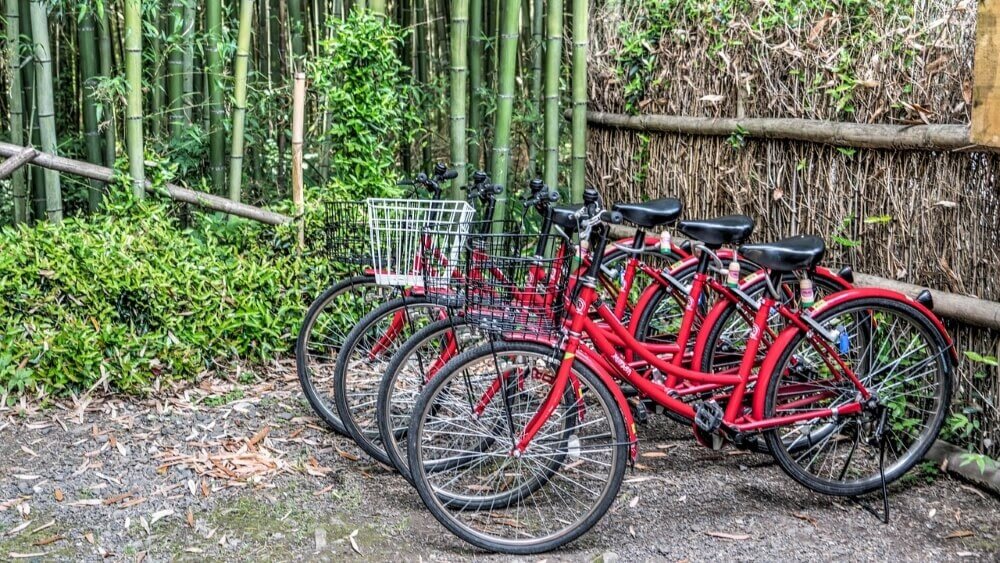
(239, 469)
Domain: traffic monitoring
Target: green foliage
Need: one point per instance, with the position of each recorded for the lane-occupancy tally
(366, 94)
(132, 295)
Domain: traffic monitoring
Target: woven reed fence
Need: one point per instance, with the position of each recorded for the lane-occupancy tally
(929, 218)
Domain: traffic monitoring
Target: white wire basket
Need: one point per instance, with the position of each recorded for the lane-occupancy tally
(402, 228)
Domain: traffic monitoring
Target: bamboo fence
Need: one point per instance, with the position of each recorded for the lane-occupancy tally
(928, 217)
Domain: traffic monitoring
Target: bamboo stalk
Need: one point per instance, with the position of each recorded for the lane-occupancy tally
(378, 8)
(36, 179)
(18, 180)
(46, 105)
(553, 60)
(859, 135)
(422, 70)
(88, 71)
(184, 195)
(581, 17)
(217, 133)
(459, 36)
(475, 81)
(537, 43)
(508, 30)
(107, 63)
(133, 110)
(296, 25)
(188, 42)
(240, 105)
(13, 164)
(157, 77)
(175, 69)
(298, 126)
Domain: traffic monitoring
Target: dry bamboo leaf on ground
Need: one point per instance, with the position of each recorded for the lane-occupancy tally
(728, 536)
(44, 526)
(354, 542)
(160, 515)
(959, 534)
(58, 494)
(18, 529)
(15, 555)
(48, 540)
(805, 517)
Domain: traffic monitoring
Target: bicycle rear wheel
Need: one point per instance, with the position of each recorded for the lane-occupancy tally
(898, 356)
(324, 331)
(461, 456)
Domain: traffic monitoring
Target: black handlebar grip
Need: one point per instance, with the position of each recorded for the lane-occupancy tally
(497, 189)
(613, 217)
(536, 185)
(479, 177)
(590, 196)
(553, 197)
(450, 175)
(440, 168)
(422, 178)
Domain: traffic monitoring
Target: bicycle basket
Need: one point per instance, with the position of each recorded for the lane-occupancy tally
(399, 230)
(444, 275)
(512, 288)
(346, 233)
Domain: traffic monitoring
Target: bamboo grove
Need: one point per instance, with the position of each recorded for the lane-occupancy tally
(205, 87)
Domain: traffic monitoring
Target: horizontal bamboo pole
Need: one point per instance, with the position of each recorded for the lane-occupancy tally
(962, 308)
(177, 193)
(7, 167)
(843, 134)
(969, 310)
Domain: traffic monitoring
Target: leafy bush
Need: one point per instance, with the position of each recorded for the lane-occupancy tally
(132, 295)
(366, 96)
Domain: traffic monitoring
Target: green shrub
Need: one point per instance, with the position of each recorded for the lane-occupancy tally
(133, 295)
(366, 94)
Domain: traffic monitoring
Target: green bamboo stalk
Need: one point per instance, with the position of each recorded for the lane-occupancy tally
(537, 41)
(240, 105)
(175, 69)
(459, 36)
(107, 63)
(475, 81)
(423, 65)
(217, 133)
(133, 110)
(406, 22)
(88, 72)
(581, 16)
(378, 8)
(506, 74)
(553, 60)
(46, 105)
(18, 180)
(296, 25)
(187, 43)
(36, 176)
(157, 76)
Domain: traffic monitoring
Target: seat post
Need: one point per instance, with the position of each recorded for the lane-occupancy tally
(640, 240)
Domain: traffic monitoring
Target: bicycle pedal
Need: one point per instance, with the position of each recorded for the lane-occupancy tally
(639, 412)
(708, 416)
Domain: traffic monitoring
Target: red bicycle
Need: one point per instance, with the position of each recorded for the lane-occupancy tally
(520, 446)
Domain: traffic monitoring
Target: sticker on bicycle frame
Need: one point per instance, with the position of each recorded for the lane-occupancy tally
(580, 306)
(569, 356)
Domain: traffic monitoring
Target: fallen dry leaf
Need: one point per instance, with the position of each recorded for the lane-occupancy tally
(259, 436)
(634, 502)
(17, 529)
(347, 455)
(960, 534)
(59, 495)
(354, 543)
(728, 536)
(48, 540)
(805, 517)
(160, 515)
(89, 537)
(15, 555)
(190, 518)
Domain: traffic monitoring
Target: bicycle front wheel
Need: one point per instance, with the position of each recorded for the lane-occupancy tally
(324, 331)
(461, 442)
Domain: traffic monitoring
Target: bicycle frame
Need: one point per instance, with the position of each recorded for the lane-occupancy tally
(609, 358)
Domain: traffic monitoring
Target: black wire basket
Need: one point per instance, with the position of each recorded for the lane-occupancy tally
(346, 233)
(444, 272)
(510, 284)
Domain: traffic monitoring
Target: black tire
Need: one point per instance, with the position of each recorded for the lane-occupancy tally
(355, 389)
(617, 448)
(316, 347)
(395, 404)
(869, 315)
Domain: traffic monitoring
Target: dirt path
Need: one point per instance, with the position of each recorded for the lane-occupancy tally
(242, 471)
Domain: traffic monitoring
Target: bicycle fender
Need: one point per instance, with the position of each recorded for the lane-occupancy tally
(842, 296)
(651, 242)
(786, 336)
